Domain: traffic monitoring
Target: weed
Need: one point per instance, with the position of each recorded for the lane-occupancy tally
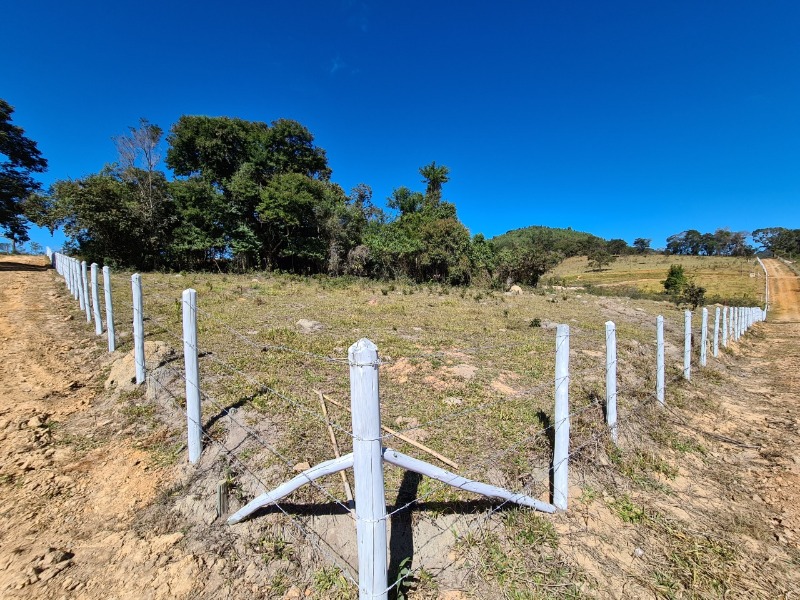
(331, 582)
(626, 510)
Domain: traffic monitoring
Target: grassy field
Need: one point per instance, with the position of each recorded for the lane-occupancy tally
(726, 279)
(470, 374)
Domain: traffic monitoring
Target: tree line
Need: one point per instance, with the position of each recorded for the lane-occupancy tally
(251, 195)
(723, 242)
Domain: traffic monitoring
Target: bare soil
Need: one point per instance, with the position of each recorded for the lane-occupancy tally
(82, 498)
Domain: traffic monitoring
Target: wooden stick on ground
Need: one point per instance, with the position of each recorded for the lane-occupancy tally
(347, 491)
(398, 435)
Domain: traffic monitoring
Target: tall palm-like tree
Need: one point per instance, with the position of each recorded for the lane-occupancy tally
(434, 177)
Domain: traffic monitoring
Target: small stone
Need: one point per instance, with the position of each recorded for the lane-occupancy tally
(301, 466)
(638, 553)
(293, 593)
(35, 422)
(309, 326)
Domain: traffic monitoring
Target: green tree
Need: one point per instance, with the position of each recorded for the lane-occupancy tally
(693, 295)
(642, 245)
(20, 159)
(617, 247)
(434, 178)
(600, 257)
(256, 167)
(676, 280)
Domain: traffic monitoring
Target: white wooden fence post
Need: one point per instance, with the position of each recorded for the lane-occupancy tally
(368, 470)
(611, 378)
(138, 327)
(76, 287)
(98, 321)
(112, 342)
(561, 449)
(660, 359)
(725, 326)
(69, 268)
(85, 292)
(687, 345)
(716, 332)
(704, 338)
(738, 321)
(193, 412)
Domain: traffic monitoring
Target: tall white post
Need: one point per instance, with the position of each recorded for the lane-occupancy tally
(112, 342)
(704, 338)
(660, 359)
(85, 292)
(611, 378)
(368, 470)
(138, 327)
(98, 321)
(76, 286)
(687, 345)
(561, 450)
(725, 326)
(193, 412)
(716, 332)
(739, 322)
(68, 267)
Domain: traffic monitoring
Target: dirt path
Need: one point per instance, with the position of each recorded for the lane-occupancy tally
(68, 491)
(784, 289)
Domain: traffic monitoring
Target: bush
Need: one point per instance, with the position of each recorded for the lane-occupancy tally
(676, 280)
(693, 295)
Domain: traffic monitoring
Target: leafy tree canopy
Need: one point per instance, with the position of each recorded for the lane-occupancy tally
(19, 159)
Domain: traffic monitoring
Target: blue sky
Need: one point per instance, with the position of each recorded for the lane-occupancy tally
(622, 118)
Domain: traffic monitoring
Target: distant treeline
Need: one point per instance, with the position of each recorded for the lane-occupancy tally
(250, 195)
(722, 242)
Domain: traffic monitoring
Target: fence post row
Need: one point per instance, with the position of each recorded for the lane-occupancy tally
(368, 453)
(611, 378)
(193, 412)
(138, 327)
(660, 359)
(368, 470)
(561, 447)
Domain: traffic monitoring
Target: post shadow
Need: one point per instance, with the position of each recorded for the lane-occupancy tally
(401, 540)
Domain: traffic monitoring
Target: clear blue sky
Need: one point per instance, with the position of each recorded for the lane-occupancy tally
(622, 118)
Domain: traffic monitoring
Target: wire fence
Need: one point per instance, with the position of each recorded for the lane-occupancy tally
(251, 381)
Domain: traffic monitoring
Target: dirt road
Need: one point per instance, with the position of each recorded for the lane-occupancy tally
(784, 288)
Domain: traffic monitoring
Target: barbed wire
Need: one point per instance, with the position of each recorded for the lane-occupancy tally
(335, 559)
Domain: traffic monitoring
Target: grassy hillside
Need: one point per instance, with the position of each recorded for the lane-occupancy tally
(470, 374)
(729, 279)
